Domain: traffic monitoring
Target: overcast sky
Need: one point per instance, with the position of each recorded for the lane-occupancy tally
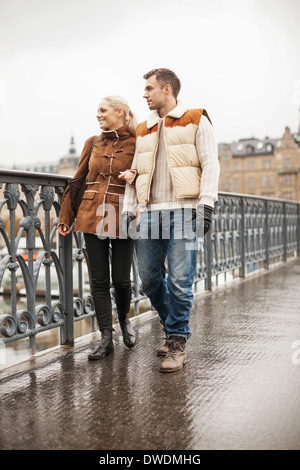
(239, 59)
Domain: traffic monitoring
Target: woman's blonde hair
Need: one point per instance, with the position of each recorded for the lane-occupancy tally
(117, 102)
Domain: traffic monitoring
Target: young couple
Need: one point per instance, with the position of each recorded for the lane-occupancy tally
(167, 169)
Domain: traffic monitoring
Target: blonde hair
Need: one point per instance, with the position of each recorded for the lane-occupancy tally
(117, 102)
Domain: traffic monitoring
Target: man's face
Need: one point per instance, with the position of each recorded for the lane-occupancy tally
(154, 94)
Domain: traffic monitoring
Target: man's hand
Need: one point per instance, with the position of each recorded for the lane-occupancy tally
(126, 219)
(204, 215)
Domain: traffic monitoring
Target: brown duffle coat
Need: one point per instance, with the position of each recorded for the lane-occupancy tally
(100, 211)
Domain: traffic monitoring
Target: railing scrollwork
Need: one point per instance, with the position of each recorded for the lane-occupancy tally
(247, 233)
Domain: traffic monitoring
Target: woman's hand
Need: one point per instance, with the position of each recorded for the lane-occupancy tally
(127, 176)
(63, 229)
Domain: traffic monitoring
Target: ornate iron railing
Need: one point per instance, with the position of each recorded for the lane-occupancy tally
(247, 233)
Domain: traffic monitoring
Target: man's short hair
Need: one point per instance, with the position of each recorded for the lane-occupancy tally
(165, 77)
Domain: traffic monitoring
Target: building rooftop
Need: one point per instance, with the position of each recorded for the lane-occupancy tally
(251, 146)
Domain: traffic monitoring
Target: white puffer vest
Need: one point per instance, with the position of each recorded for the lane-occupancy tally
(181, 126)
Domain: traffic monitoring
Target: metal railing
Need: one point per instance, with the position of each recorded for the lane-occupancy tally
(247, 233)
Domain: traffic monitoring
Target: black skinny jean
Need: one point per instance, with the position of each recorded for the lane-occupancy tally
(98, 256)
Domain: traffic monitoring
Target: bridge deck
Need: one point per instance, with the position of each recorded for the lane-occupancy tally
(239, 389)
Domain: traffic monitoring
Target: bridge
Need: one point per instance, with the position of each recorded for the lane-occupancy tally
(239, 389)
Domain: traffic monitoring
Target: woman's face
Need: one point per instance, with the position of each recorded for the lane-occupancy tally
(108, 117)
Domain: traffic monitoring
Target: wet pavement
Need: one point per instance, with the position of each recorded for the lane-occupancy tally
(239, 389)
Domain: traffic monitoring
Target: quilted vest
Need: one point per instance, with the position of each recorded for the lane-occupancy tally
(180, 134)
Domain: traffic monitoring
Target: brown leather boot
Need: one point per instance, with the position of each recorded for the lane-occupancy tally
(176, 355)
(163, 350)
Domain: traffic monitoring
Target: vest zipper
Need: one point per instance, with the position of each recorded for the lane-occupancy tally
(168, 161)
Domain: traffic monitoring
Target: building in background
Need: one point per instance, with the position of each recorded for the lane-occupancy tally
(262, 167)
(66, 165)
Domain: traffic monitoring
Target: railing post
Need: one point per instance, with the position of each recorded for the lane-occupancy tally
(208, 248)
(67, 335)
(284, 234)
(298, 230)
(267, 234)
(242, 240)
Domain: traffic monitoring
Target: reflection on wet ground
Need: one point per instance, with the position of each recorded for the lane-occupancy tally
(239, 389)
(18, 351)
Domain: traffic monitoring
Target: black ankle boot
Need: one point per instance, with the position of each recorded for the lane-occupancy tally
(127, 331)
(105, 347)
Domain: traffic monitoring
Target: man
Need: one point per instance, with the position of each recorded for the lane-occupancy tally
(174, 180)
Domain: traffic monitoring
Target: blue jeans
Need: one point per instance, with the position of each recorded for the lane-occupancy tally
(169, 235)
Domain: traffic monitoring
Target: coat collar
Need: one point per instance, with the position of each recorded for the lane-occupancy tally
(176, 113)
(118, 134)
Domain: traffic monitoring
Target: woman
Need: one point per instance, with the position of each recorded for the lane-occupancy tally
(99, 218)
